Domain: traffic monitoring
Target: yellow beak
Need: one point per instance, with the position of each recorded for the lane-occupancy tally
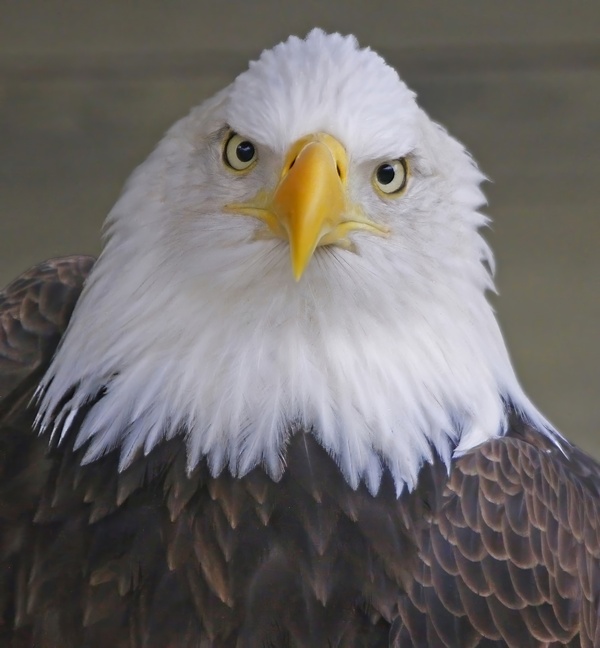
(309, 206)
(310, 200)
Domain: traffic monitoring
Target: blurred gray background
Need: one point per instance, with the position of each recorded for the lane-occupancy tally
(87, 89)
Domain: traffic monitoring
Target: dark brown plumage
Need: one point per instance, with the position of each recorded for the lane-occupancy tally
(505, 551)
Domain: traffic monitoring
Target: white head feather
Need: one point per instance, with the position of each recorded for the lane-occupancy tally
(194, 326)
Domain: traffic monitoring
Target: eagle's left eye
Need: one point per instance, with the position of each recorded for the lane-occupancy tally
(390, 177)
(239, 153)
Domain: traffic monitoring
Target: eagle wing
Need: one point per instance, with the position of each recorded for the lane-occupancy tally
(34, 312)
(512, 553)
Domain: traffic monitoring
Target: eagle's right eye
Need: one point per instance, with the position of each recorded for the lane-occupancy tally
(239, 153)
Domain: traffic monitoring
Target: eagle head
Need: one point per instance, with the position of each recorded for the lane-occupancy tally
(302, 251)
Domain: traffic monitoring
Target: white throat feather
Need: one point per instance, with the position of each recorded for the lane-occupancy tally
(192, 325)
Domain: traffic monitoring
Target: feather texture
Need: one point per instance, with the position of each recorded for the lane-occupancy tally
(502, 551)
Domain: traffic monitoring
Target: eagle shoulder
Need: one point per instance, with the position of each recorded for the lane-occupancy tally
(512, 554)
(35, 310)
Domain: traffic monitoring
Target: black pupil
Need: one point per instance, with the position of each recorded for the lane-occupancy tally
(245, 151)
(385, 174)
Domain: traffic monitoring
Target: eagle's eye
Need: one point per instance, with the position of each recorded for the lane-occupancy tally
(391, 176)
(239, 153)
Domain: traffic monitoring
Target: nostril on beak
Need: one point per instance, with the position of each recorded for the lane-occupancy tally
(339, 172)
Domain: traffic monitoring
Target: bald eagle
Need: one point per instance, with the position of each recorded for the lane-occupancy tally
(278, 409)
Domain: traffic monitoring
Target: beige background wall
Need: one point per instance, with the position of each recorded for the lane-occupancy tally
(86, 90)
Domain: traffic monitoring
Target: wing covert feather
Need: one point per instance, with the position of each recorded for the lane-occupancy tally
(513, 550)
(34, 312)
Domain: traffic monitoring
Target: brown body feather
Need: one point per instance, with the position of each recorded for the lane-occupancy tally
(504, 551)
